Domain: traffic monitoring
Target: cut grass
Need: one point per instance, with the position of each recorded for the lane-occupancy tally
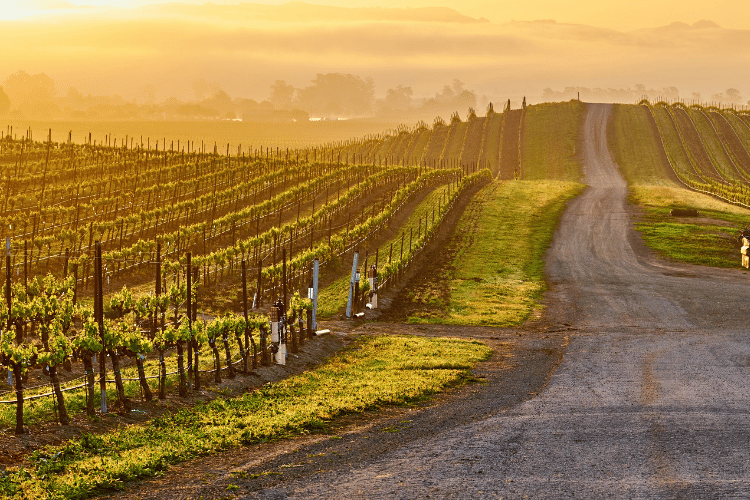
(551, 132)
(710, 240)
(498, 270)
(375, 371)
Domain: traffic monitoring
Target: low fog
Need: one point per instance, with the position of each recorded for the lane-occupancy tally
(297, 61)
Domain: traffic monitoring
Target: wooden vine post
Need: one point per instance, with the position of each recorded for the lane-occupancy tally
(17, 369)
(156, 312)
(248, 337)
(193, 342)
(99, 318)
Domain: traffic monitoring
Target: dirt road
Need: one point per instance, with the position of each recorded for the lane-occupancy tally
(650, 401)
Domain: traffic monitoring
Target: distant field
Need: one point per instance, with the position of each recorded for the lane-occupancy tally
(636, 147)
(255, 134)
(549, 141)
(709, 240)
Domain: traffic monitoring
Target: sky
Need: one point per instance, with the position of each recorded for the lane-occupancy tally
(615, 14)
(499, 50)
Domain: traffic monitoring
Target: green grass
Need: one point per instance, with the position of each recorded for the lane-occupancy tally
(551, 131)
(739, 127)
(375, 371)
(635, 147)
(710, 240)
(498, 270)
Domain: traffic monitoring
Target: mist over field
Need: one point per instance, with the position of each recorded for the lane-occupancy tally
(295, 61)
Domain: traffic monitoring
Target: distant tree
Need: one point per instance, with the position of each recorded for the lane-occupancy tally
(299, 116)
(465, 99)
(399, 98)
(446, 95)
(733, 95)
(281, 95)
(338, 93)
(204, 89)
(4, 102)
(671, 92)
(219, 101)
(457, 86)
(22, 86)
(32, 94)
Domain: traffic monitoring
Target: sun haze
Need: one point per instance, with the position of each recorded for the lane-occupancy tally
(149, 52)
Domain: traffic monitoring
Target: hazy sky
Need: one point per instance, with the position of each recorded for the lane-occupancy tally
(615, 14)
(135, 50)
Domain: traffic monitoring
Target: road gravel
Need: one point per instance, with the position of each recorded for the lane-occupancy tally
(650, 400)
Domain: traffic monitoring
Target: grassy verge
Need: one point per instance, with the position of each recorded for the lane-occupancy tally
(549, 142)
(709, 240)
(497, 273)
(376, 371)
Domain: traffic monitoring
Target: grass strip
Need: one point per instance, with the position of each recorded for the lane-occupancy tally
(708, 240)
(374, 371)
(497, 273)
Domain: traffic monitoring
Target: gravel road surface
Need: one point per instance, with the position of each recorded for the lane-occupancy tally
(650, 400)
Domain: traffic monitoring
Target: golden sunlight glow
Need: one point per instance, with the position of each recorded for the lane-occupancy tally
(112, 52)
